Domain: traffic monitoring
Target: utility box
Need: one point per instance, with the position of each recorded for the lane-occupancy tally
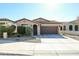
(5, 35)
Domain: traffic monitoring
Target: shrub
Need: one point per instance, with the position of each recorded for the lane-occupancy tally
(21, 30)
(2, 29)
(11, 29)
(28, 31)
(24, 30)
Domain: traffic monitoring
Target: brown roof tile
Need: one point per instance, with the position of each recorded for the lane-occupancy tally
(23, 19)
(5, 19)
(45, 21)
(75, 21)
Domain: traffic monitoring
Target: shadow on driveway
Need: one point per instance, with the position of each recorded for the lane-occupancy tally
(20, 39)
(12, 54)
(50, 36)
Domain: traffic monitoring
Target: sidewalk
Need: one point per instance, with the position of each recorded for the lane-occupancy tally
(73, 36)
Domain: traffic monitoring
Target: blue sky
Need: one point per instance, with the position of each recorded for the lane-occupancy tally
(59, 12)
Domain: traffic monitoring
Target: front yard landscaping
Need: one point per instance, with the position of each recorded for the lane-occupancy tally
(76, 37)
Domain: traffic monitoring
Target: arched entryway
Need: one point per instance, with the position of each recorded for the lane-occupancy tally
(34, 29)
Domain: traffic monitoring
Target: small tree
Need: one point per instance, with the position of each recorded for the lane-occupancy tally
(2, 29)
(28, 31)
(11, 29)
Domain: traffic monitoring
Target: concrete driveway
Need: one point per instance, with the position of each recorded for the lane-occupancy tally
(49, 36)
(48, 47)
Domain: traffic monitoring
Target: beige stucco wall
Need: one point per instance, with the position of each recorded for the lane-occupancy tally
(24, 22)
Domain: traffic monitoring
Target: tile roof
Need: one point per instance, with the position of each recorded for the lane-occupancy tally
(45, 21)
(5, 19)
(75, 21)
(23, 19)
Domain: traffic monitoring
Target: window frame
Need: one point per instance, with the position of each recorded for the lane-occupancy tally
(64, 27)
(61, 28)
(70, 27)
(76, 28)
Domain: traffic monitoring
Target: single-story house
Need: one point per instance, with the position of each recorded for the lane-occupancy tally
(40, 25)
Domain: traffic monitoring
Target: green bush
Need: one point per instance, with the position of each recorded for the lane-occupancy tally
(2, 29)
(11, 29)
(21, 30)
(24, 30)
(28, 31)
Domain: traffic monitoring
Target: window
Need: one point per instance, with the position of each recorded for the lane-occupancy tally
(2, 23)
(76, 27)
(60, 27)
(70, 27)
(25, 25)
(64, 27)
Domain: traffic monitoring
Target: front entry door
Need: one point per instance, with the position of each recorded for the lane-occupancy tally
(34, 29)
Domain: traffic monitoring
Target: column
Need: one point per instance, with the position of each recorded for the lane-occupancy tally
(32, 29)
(16, 28)
(38, 29)
(73, 27)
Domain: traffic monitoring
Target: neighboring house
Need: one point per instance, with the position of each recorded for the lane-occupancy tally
(6, 22)
(70, 27)
(40, 25)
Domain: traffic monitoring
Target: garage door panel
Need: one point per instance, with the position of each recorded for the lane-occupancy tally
(49, 29)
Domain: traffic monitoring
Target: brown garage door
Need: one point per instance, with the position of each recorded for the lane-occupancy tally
(49, 29)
